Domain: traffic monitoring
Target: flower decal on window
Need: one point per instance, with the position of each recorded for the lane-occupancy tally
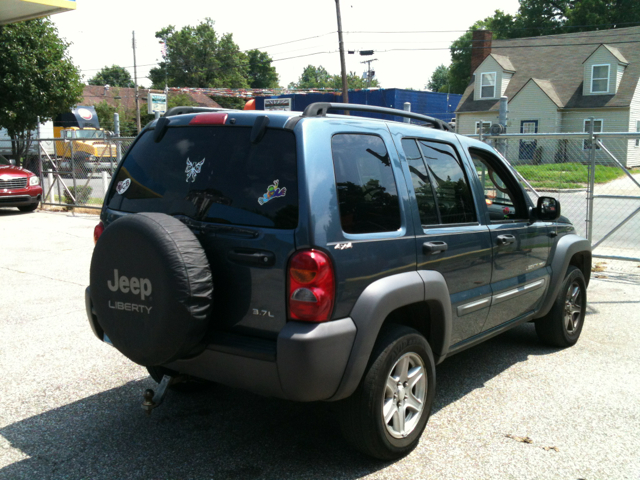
(272, 192)
(193, 169)
(123, 185)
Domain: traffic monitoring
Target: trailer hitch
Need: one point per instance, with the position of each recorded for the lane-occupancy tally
(154, 399)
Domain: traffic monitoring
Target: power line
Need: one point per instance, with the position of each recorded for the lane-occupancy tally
(300, 56)
(292, 41)
(521, 28)
(493, 47)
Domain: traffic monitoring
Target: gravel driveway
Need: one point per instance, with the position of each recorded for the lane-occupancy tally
(507, 409)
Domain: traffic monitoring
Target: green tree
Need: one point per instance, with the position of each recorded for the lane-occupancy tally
(114, 76)
(500, 24)
(37, 79)
(313, 77)
(261, 73)
(199, 57)
(354, 82)
(318, 77)
(439, 80)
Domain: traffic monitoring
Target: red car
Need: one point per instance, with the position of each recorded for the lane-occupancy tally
(19, 187)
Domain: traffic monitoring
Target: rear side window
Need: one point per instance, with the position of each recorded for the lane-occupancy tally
(214, 174)
(450, 185)
(441, 187)
(367, 194)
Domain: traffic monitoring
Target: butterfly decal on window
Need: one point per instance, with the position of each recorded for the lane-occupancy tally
(193, 169)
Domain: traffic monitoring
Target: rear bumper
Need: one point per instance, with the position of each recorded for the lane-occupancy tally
(305, 363)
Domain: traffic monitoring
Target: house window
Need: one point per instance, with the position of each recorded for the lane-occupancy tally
(597, 128)
(600, 79)
(485, 126)
(488, 85)
(637, 130)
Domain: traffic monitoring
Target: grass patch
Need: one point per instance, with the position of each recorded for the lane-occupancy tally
(566, 175)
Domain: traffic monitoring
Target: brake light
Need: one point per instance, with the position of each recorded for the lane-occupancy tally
(97, 231)
(209, 119)
(311, 286)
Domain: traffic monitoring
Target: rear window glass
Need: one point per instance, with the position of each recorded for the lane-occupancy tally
(367, 192)
(214, 174)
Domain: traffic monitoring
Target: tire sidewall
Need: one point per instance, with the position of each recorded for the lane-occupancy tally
(573, 275)
(411, 343)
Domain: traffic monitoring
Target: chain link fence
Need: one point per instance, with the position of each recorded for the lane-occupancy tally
(76, 172)
(596, 177)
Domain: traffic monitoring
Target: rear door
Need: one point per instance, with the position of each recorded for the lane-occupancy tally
(451, 241)
(241, 200)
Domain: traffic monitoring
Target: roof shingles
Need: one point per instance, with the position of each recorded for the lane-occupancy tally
(556, 63)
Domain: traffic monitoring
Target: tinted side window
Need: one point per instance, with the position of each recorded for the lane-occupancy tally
(500, 190)
(421, 184)
(454, 197)
(367, 193)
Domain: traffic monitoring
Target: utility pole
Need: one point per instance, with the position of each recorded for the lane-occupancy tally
(370, 74)
(345, 88)
(135, 80)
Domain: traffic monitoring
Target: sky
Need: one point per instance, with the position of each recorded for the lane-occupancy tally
(294, 33)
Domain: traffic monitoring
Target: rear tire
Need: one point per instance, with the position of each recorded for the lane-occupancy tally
(388, 412)
(562, 326)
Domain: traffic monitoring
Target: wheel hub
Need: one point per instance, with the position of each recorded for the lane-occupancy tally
(573, 308)
(404, 395)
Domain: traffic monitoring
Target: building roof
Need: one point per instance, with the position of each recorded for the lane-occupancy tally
(556, 63)
(94, 94)
(503, 61)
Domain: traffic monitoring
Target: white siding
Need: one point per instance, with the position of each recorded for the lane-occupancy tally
(506, 77)
(633, 158)
(619, 75)
(532, 104)
(602, 56)
(487, 66)
(466, 122)
(613, 121)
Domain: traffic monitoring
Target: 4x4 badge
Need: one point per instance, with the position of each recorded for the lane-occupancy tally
(272, 192)
(193, 169)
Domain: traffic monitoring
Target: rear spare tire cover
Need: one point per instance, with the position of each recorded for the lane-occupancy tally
(151, 287)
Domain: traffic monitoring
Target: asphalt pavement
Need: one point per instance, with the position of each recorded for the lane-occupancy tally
(510, 408)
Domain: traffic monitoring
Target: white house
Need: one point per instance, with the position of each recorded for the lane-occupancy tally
(556, 83)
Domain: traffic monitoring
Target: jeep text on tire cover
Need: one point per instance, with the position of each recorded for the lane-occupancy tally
(326, 257)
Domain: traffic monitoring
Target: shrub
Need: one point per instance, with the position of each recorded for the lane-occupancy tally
(80, 193)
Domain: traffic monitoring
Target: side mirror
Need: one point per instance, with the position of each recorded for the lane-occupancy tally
(547, 210)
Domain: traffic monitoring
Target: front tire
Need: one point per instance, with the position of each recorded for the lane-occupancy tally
(388, 412)
(562, 326)
(29, 208)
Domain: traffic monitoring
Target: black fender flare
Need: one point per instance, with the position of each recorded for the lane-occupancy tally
(381, 298)
(565, 249)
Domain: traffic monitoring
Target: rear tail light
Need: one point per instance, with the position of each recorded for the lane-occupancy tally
(311, 286)
(97, 231)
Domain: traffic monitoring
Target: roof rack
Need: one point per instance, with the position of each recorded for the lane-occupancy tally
(319, 109)
(184, 109)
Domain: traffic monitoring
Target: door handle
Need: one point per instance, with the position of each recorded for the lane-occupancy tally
(506, 239)
(252, 257)
(431, 248)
